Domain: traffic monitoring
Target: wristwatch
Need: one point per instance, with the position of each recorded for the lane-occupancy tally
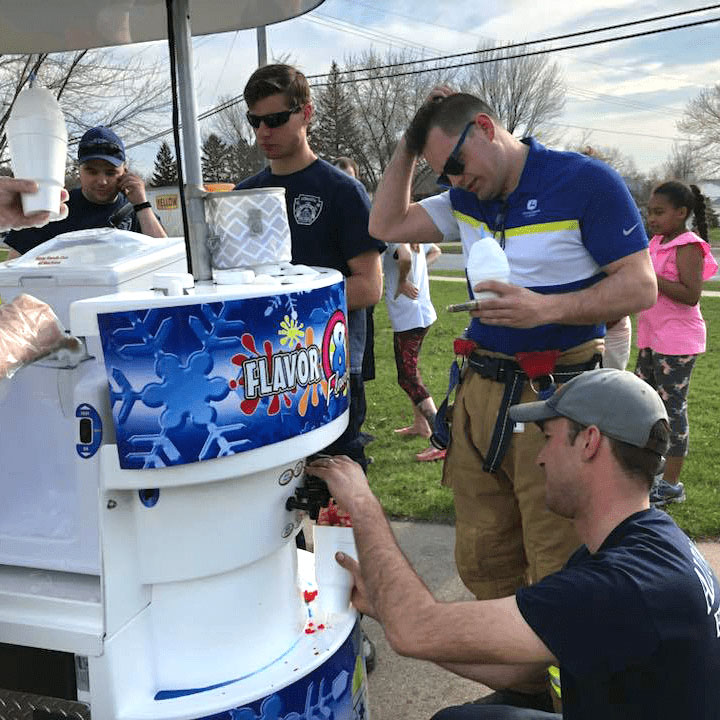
(142, 206)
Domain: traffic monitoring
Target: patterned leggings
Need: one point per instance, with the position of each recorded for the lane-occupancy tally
(670, 376)
(407, 346)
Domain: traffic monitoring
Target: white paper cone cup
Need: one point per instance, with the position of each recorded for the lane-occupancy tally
(37, 139)
(40, 158)
(46, 199)
(334, 583)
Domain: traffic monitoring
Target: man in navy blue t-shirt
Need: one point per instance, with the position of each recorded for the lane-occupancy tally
(106, 188)
(632, 620)
(328, 212)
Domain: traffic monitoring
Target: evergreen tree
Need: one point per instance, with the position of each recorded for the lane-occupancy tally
(165, 170)
(241, 161)
(215, 160)
(335, 132)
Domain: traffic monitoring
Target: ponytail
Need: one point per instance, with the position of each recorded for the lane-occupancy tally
(700, 220)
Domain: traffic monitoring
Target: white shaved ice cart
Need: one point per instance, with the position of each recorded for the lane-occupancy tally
(148, 563)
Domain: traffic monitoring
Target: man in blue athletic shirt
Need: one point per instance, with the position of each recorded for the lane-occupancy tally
(106, 187)
(632, 620)
(577, 253)
(327, 211)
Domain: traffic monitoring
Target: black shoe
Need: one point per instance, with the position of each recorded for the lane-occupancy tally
(368, 648)
(534, 701)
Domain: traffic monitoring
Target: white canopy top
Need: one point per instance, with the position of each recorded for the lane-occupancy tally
(55, 25)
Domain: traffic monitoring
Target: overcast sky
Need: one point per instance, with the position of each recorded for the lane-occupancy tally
(629, 94)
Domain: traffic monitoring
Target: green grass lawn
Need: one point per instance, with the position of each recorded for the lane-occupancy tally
(408, 489)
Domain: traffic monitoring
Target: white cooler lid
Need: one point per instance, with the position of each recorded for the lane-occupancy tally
(98, 257)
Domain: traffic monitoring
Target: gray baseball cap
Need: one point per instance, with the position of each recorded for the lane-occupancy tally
(619, 403)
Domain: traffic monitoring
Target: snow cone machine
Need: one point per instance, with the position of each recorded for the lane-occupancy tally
(148, 563)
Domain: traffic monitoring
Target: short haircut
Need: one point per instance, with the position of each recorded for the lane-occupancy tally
(344, 162)
(642, 463)
(277, 79)
(449, 113)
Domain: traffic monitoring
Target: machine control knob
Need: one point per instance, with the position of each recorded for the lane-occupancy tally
(310, 497)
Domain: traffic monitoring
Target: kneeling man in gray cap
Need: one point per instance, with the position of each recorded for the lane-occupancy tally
(632, 620)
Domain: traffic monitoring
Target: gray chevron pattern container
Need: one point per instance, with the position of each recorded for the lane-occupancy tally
(248, 227)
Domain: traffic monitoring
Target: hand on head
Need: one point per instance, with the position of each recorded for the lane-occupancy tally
(12, 216)
(440, 91)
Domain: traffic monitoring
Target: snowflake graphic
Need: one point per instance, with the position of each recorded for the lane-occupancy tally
(186, 390)
(291, 331)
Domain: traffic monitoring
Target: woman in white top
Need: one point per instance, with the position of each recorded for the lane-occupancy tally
(411, 312)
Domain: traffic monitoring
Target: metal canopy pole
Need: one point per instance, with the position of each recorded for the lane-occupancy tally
(194, 192)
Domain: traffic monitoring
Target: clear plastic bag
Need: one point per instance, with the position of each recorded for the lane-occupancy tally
(29, 329)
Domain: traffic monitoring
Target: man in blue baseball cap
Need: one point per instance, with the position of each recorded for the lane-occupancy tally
(632, 620)
(108, 195)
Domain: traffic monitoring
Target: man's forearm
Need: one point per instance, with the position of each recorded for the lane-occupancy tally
(362, 291)
(498, 676)
(617, 295)
(149, 224)
(393, 195)
(389, 578)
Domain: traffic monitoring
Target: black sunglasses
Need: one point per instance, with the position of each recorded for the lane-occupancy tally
(453, 165)
(271, 120)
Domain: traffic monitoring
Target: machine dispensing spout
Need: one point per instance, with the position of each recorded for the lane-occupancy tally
(310, 497)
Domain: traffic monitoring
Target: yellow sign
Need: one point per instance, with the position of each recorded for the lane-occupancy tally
(166, 202)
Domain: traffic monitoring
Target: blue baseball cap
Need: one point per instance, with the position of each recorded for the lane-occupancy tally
(101, 143)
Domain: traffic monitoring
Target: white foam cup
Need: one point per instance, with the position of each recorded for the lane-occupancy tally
(334, 583)
(37, 138)
(486, 261)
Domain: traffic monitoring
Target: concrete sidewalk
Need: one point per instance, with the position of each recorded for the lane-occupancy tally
(403, 688)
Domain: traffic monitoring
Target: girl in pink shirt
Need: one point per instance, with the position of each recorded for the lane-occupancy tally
(671, 334)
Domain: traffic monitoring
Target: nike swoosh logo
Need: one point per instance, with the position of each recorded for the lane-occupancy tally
(627, 232)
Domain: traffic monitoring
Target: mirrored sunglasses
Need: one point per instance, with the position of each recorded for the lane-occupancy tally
(271, 120)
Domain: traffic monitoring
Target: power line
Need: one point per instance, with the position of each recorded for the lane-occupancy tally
(542, 51)
(385, 11)
(619, 132)
(553, 38)
(514, 45)
(368, 34)
(232, 101)
(583, 94)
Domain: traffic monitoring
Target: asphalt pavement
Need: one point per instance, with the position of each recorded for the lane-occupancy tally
(404, 688)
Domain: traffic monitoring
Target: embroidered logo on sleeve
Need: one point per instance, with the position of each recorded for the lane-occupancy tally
(627, 232)
(307, 208)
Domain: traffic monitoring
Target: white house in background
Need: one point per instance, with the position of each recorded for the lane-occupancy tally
(711, 189)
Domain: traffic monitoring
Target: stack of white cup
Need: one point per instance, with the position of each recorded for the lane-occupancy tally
(37, 137)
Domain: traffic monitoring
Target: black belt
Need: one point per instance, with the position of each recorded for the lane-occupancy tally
(509, 372)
